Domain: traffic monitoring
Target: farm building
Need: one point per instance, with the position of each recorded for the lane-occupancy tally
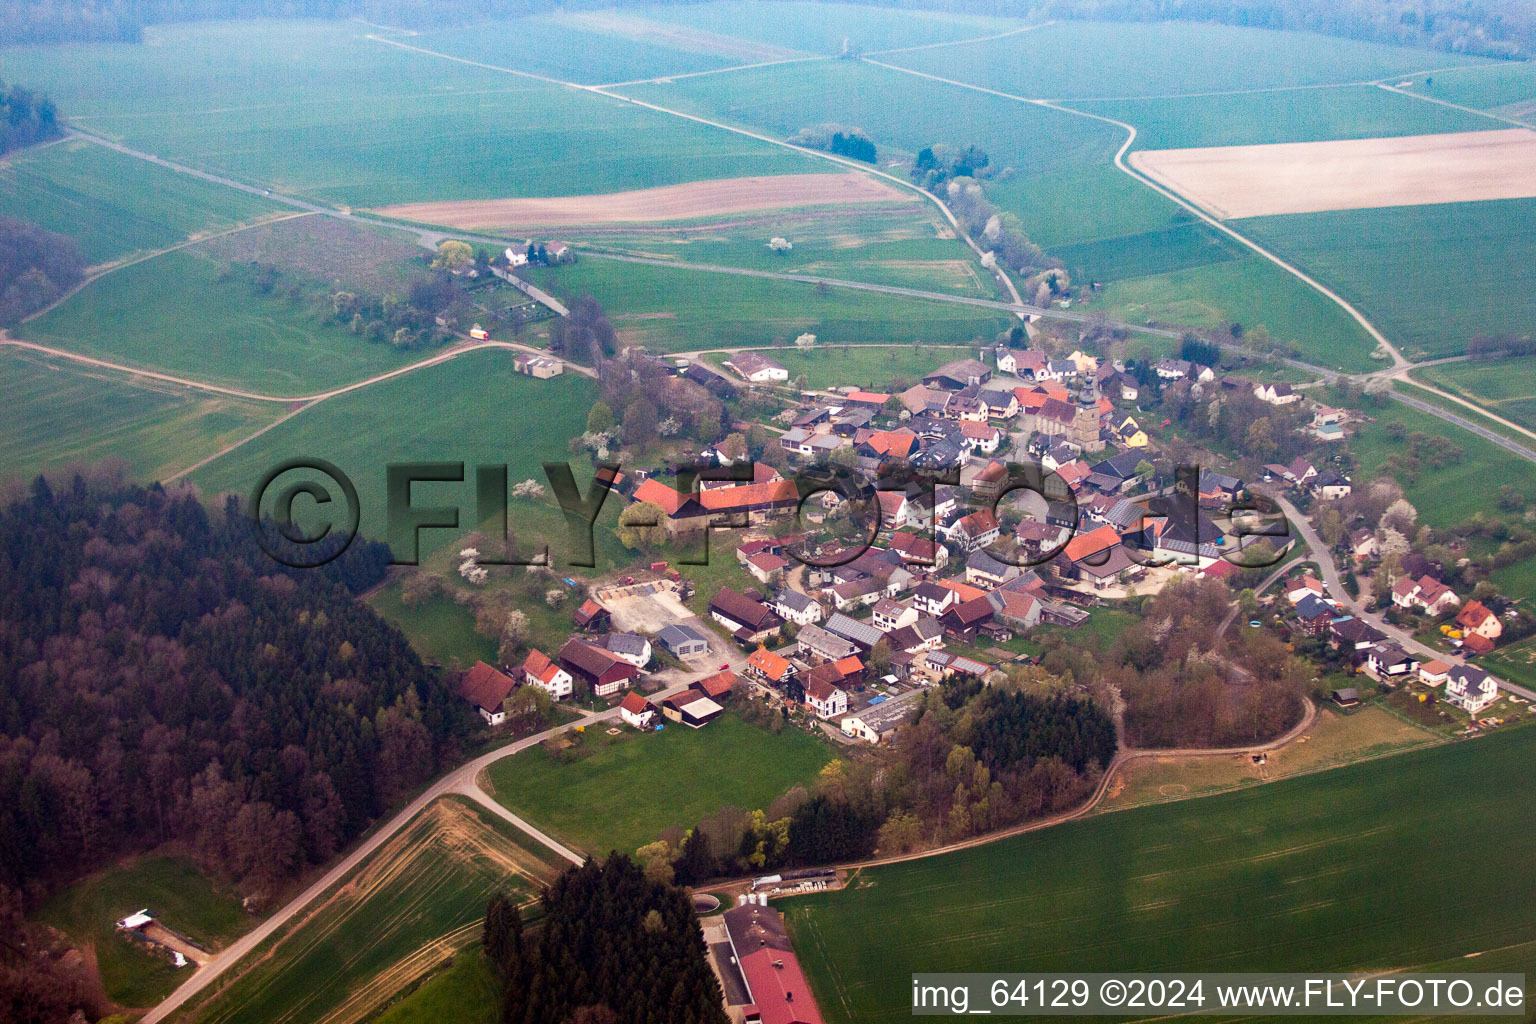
(775, 983)
(748, 620)
(485, 688)
(605, 673)
(540, 367)
(879, 722)
(692, 709)
(683, 641)
(539, 671)
(756, 368)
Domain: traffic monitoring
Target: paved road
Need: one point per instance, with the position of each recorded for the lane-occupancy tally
(461, 780)
(1330, 570)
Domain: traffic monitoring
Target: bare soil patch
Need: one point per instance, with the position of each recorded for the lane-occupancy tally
(669, 202)
(1355, 174)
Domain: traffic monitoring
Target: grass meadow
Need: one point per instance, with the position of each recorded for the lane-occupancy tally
(622, 791)
(467, 991)
(417, 901)
(1251, 291)
(472, 409)
(180, 313)
(679, 310)
(1430, 277)
(1087, 59)
(869, 367)
(318, 109)
(116, 205)
(1502, 87)
(1504, 386)
(54, 415)
(170, 888)
(906, 244)
(1451, 494)
(1341, 870)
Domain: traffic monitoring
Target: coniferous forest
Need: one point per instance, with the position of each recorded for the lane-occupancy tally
(614, 947)
(162, 679)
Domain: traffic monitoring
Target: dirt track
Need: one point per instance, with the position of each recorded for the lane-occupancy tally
(1308, 177)
(670, 202)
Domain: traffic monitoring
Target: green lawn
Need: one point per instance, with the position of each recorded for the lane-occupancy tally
(1516, 662)
(1097, 202)
(472, 409)
(1108, 59)
(871, 367)
(55, 414)
(114, 205)
(676, 310)
(1392, 264)
(1251, 291)
(631, 787)
(1322, 873)
(170, 888)
(320, 110)
(178, 314)
(466, 992)
(1497, 87)
(439, 629)
(1298, 115)
(416, 901)
(1449, 495)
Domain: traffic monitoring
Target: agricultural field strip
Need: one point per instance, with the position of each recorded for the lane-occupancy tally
(1455, 106)
(1257, 90)
(1119, 160)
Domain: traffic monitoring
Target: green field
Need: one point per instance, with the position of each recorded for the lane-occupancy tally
(115, 205)
(1098, 202)
(440, 630)
(1297, 115)
(318, 109)
(561, 48)
(1251, 291)
(172, 890)
(821, 28)
(466, 992)
(1516, 662)
(1342, 870)
(1079, 59)
(1452, 494)
(629, 788)
(901, 113)
(472, 409)
(1430, 277)
(1504, 386)
(904, 244)
(870, 367)
(178, 314)
(1503, 87)
(413, 903)
(55, 414)
(678, 310)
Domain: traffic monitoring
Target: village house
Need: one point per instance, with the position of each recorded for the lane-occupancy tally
(1470, 689)
(539, 670)
(793, 606)
(632, 647)
(606, 674)
(590, 616)
(890, 614)
(1479, 626)
(1389, 661)
(926, 634)
(539, 367)
(966, 619)
(826, 699)
(1003, 356)
(984, 570)
(1426, 593)
(1363, 546)
(976, 530)
(635, 710)
(817, 642)
(756, 368)
(486, 688)
(1330, 485)
(749, 621)
(932, 599)
(768, 667)
(1276, 393)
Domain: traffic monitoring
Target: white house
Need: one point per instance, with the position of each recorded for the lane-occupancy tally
(637, 711)
(826, 700)
(539, 671)
(890, 614)
(1470, 689)
(756, 368)
(1006, 363)
(1276, 393)
(796, 607)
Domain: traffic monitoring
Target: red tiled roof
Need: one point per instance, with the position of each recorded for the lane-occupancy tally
(1474, 614)
(868, 397)
(718, 684)
(965, 590)
(485, 687)
(1092, 543)
(892, 442)
(769, 664)
(634, 703)
(849, 666)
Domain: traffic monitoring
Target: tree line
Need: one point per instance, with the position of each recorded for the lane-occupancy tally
(167, 681)
(612, 947)
(26, 117)
(36, 267)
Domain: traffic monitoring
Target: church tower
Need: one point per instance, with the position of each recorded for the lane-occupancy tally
(1085, 418)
